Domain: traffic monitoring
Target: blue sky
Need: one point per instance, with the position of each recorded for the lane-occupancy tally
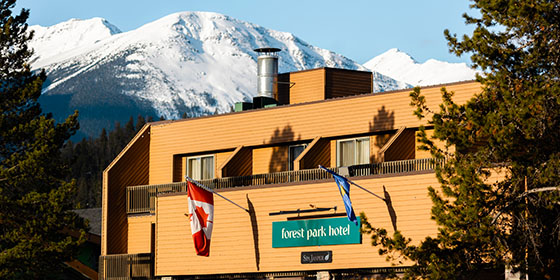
(358, 29)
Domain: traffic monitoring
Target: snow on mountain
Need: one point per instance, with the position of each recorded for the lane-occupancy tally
(401, 66)
(51, 42)
(194, 62)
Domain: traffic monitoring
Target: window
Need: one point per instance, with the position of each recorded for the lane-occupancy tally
(352, 151)
(201, 167)
(295, 151)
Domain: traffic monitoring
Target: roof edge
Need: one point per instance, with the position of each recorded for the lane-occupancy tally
(336, 99)
(125, 149)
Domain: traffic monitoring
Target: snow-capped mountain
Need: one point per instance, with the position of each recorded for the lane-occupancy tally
(49, 43)
(401, 66)
(194, 62)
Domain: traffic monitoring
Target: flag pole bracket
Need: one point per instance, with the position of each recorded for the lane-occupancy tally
(299, 211)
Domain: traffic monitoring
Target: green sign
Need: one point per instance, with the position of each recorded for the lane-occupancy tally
(315, 232)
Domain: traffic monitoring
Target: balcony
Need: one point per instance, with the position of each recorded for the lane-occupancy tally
(126, 267)
(141, 199)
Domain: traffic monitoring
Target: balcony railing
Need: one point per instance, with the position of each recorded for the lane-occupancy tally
(141, 199)
(126, 267)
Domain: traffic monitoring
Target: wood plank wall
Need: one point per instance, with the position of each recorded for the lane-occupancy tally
(404, 147)
(240, 165)
(240, 244)
(220, 158)
(270, 159)
(283, 94)
(376, 142)
(308, 85)
(178, 168)
(140, 234)
(130, 168)
(426, 154)
(320, 154)
(342, 82)
(300, 122)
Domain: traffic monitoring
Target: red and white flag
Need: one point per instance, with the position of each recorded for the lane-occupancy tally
(201, 214)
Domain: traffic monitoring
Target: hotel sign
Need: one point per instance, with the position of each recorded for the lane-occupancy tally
(316, 257)
(317, 232)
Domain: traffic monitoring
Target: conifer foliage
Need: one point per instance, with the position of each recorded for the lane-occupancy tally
(34, 197)
(89, 157)
(511, 128)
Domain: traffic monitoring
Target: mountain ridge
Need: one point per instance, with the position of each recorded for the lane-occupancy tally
(193, 63)
(403, 67)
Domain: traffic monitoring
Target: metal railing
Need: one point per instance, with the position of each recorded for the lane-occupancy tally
(141, 199)
(392, 167)
(126, 267)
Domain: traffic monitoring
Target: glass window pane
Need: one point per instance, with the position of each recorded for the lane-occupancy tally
(194, 168)
(295, 151)
(346, 153)
(207, 168)
(362, 151)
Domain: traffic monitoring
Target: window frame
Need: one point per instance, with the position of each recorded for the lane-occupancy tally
(355, 140)
(291, 160)
(187, 167)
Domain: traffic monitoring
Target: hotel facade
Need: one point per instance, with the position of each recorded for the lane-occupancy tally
(265, 158)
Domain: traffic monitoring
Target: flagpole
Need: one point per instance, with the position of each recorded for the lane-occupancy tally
(332, 172)
(212, 191)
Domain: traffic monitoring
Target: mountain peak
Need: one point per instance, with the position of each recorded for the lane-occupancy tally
(197, 63)
(401, 66)
(52, 41)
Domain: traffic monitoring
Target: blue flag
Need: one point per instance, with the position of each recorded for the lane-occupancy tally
(344, 188)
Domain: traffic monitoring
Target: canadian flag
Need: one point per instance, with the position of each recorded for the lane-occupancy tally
(201, 215)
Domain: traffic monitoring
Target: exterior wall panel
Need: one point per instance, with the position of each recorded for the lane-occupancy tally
(306, 86)
(140, 234)
(130, 168)
(240, 245)
(341, 82)
(320, 154)
(270, 159)
(403, 148)
(219, 159)
(376, 142)
(240, 165)
(329, 118)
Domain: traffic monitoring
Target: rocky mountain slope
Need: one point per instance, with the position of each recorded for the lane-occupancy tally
(196, 63)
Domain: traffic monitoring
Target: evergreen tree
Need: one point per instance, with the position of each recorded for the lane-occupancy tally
(512, 126)
(89, 157)
(140, 122)
(35, 200)
(129, 128)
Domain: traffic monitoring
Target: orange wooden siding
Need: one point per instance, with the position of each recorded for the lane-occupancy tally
(130, 168)
(305, 85)
(140, 233)
(178, 168)
(342, 82)
(238, 245)
(331, 118)
(270, 159)
(319, 154)
(403, 148)
(240, 163)
(376, 142)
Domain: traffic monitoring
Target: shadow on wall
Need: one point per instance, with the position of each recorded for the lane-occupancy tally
(255, 228)
(383, 120)
(279, 157)
(390, 208)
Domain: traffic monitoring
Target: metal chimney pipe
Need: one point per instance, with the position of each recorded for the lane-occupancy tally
(267, 83)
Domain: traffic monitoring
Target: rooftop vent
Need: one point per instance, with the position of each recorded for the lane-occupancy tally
(267, 83)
